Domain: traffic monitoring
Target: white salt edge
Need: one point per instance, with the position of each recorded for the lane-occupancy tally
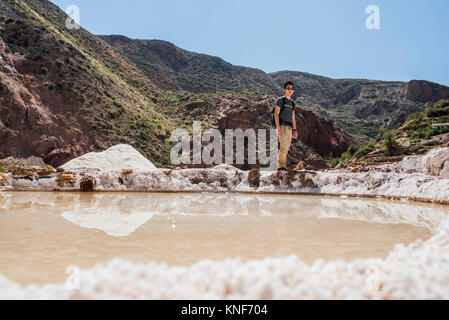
(416, 271)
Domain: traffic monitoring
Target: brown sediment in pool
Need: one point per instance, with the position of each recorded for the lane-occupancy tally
(44, 233)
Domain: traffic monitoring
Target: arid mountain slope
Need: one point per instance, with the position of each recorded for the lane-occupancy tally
(359, 107)
(173, 68)
(65, 92)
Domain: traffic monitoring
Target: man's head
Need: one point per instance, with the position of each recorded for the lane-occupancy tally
(289, 88)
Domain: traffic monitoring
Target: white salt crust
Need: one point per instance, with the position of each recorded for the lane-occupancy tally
(417, 271)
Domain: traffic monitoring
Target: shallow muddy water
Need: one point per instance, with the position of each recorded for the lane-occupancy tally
(43, 233)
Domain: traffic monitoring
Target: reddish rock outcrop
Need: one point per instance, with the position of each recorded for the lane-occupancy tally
(320, 134)
(318, 138)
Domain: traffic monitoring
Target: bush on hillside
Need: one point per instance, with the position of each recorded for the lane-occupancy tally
(381, 134)
(440, 108)
(437, 112)
(391, 145)
(363, 151)
(441, 104)
(350, 152)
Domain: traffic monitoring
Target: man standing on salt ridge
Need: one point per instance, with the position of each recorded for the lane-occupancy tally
(284, 117)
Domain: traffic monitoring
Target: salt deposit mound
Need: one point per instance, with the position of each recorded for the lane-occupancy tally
(434, 163)
(119, 157)
(437, 162)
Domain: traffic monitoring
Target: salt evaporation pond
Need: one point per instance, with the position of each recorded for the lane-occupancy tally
(44, 233)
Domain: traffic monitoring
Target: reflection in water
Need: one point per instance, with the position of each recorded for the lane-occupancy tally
(43, 233)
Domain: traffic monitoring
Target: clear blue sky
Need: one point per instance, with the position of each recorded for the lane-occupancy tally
(325, 37)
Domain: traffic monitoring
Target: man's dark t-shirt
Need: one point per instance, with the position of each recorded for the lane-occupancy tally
(285, 117)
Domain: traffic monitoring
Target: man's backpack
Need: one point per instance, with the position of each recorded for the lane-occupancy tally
(273, 111)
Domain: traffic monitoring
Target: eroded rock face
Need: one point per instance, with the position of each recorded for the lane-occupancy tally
(425, 91)
(314, 132)
(29, 122)
(23, 162)
(61, 155)
(320, 134)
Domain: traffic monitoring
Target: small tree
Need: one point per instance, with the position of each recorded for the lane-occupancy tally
(390, 144)
(350, 152)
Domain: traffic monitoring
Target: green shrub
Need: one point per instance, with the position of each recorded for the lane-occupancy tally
(381, 133)
(346, 155)
(444, 119)
(417, 123)
(425, 134)
(443, 130)
(3, 168)
(414, 139)
(437, 112)
(353, 149)
(416, 116)
(430, 132)
(363, 151)
(441, 104)
(118, 104)
(390, 143)
(97, 146)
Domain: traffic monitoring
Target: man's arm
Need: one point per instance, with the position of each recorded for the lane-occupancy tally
(277, 111)
(295, 130)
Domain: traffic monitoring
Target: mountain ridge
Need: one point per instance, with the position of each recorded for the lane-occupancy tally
(345, 101)
(66, 92)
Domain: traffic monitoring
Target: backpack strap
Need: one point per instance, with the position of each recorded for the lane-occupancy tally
(283, 105)
(284, 102)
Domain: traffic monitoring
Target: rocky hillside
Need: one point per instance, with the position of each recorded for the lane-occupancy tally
(67, 92)
(173, 68)
(359, 107)
(318, 138)
(421, 132)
